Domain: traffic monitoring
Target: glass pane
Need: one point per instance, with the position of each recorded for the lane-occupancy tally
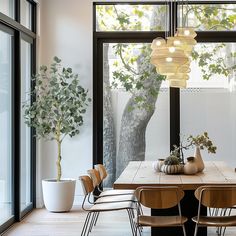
(26, 14)
(214, 17)
(25, 130)
(6, 207)
(7, 7)
(208, 104)
(126, 17)
(135, 108)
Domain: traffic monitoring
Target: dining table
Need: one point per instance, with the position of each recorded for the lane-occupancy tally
(141, 173)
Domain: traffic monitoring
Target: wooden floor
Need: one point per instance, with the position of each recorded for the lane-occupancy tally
(43, 223)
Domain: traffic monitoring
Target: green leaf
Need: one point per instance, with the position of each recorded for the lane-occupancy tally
(56, 59)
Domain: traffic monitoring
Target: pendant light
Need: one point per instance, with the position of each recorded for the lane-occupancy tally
(172, 56)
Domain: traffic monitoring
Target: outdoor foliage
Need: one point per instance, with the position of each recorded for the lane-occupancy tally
(212, 60)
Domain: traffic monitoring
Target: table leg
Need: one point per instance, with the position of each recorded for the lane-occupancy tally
(189, 206)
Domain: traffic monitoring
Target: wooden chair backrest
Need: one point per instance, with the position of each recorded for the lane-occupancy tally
(102, 171)
(159, 197)
(95, 176)
(87, 184)
(217, 196)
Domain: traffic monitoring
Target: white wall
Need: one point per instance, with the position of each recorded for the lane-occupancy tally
(65, 30)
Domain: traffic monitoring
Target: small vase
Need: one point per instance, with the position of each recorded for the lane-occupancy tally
(198, 159)
(158, 164)
(172, 169)
(190, 168)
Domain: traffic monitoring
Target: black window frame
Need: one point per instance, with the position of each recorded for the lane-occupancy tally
(100, 37)
(19, 32)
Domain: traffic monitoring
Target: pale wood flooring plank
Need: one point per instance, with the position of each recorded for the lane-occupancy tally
(43, 223)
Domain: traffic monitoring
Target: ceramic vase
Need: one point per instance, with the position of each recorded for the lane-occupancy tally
(171, 169)
(190, 168)
(198, 159)
(158, 164)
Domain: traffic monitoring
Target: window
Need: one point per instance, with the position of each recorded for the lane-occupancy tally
(7, 7)
(209, 17)
(6, 160)
(17, 143)
(123, 96)
(25, 130)
(126, 17)
(208, 102)
(26, 14)
(127, 107)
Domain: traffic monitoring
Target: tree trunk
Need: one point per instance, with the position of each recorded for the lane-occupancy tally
(109, 140)
(58, 163)
(58, 140)
(132, 143)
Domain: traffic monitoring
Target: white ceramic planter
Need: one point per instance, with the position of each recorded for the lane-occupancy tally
(58, 196)
(158, 164)
(172, 169)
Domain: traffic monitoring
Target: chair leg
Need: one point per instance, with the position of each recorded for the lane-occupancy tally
(224, 231)
(85, 224)
(195, 231)
(131, 221)
(132, 213)
(92, 221)
(184, 231)
(89, 224)
(96, 218)
(136, 231)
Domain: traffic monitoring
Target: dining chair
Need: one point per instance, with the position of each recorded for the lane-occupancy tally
(98, 175)
(217, 197)
(94, 175)
(160, 198)
(102, 205)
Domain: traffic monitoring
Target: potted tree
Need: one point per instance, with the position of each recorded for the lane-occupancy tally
(57, 112)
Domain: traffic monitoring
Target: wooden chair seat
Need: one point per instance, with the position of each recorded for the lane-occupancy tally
(220, 221)
(159, 198)
(117, 192)
(114, 206)
(161, 221)
(115, 198)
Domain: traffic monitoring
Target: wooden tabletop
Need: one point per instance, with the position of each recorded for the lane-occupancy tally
(140, 173)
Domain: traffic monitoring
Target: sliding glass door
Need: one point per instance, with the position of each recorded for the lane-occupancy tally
(17, 141)
(25, 140)
(6, 181)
